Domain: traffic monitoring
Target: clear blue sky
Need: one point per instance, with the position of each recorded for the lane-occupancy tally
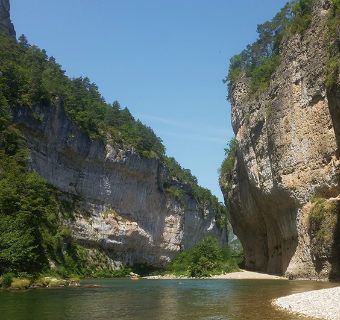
(164, 60)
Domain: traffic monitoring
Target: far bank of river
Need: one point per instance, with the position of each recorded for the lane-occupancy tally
(240, 275)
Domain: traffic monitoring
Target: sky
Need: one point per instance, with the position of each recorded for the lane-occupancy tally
(164, 60)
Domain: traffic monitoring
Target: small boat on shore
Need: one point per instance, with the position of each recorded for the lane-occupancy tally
(134, 276)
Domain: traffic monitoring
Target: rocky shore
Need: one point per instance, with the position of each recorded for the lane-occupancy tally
(321, 304)
(12, 283)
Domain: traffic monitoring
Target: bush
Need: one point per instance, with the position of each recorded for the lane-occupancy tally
(203, 260)
(176, 192)
(7, 280)
(203, 267)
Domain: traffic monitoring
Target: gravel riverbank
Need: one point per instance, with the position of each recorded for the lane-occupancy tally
(322, 304)
(240, 275)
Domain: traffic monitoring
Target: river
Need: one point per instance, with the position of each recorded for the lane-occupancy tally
(154, 300)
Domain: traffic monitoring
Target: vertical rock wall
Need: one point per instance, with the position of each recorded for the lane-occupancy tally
(5, 20)
(288, 155)
(120, 204)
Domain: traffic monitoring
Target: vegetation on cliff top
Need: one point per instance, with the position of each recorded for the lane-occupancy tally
(260, 59)
(29, 77)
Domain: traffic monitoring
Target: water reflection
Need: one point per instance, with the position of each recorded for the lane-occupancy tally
(155, 299)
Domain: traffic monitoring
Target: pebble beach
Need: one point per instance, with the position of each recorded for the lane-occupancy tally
(320, 304)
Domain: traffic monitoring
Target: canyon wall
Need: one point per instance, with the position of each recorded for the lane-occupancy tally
(5, 20)
(284, 195)
(119, 202)
(121, 210)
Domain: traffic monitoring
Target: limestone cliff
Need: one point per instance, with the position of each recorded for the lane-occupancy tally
(287, 165)
(121, 208)
(5, 20)
(120, 204)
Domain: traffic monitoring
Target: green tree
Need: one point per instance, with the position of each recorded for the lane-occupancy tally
(260, 59)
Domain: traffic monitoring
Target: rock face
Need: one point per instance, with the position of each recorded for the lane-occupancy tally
(287, 155)
(118, 196)
(5, 20)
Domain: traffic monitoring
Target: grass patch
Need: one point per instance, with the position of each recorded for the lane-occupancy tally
(19, 283)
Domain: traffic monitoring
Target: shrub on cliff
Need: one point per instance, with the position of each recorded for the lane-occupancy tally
(323, 230)
(227, 166)
(323, 220)
(333, 65)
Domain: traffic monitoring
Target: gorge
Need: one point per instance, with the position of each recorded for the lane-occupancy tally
(112, 198)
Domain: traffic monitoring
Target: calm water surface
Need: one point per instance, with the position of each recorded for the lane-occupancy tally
(155, 299)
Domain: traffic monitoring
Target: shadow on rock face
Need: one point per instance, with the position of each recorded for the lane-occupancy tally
(333, 96)
(265, 223)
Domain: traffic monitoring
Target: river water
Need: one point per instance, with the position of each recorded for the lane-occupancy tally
(154, 300)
